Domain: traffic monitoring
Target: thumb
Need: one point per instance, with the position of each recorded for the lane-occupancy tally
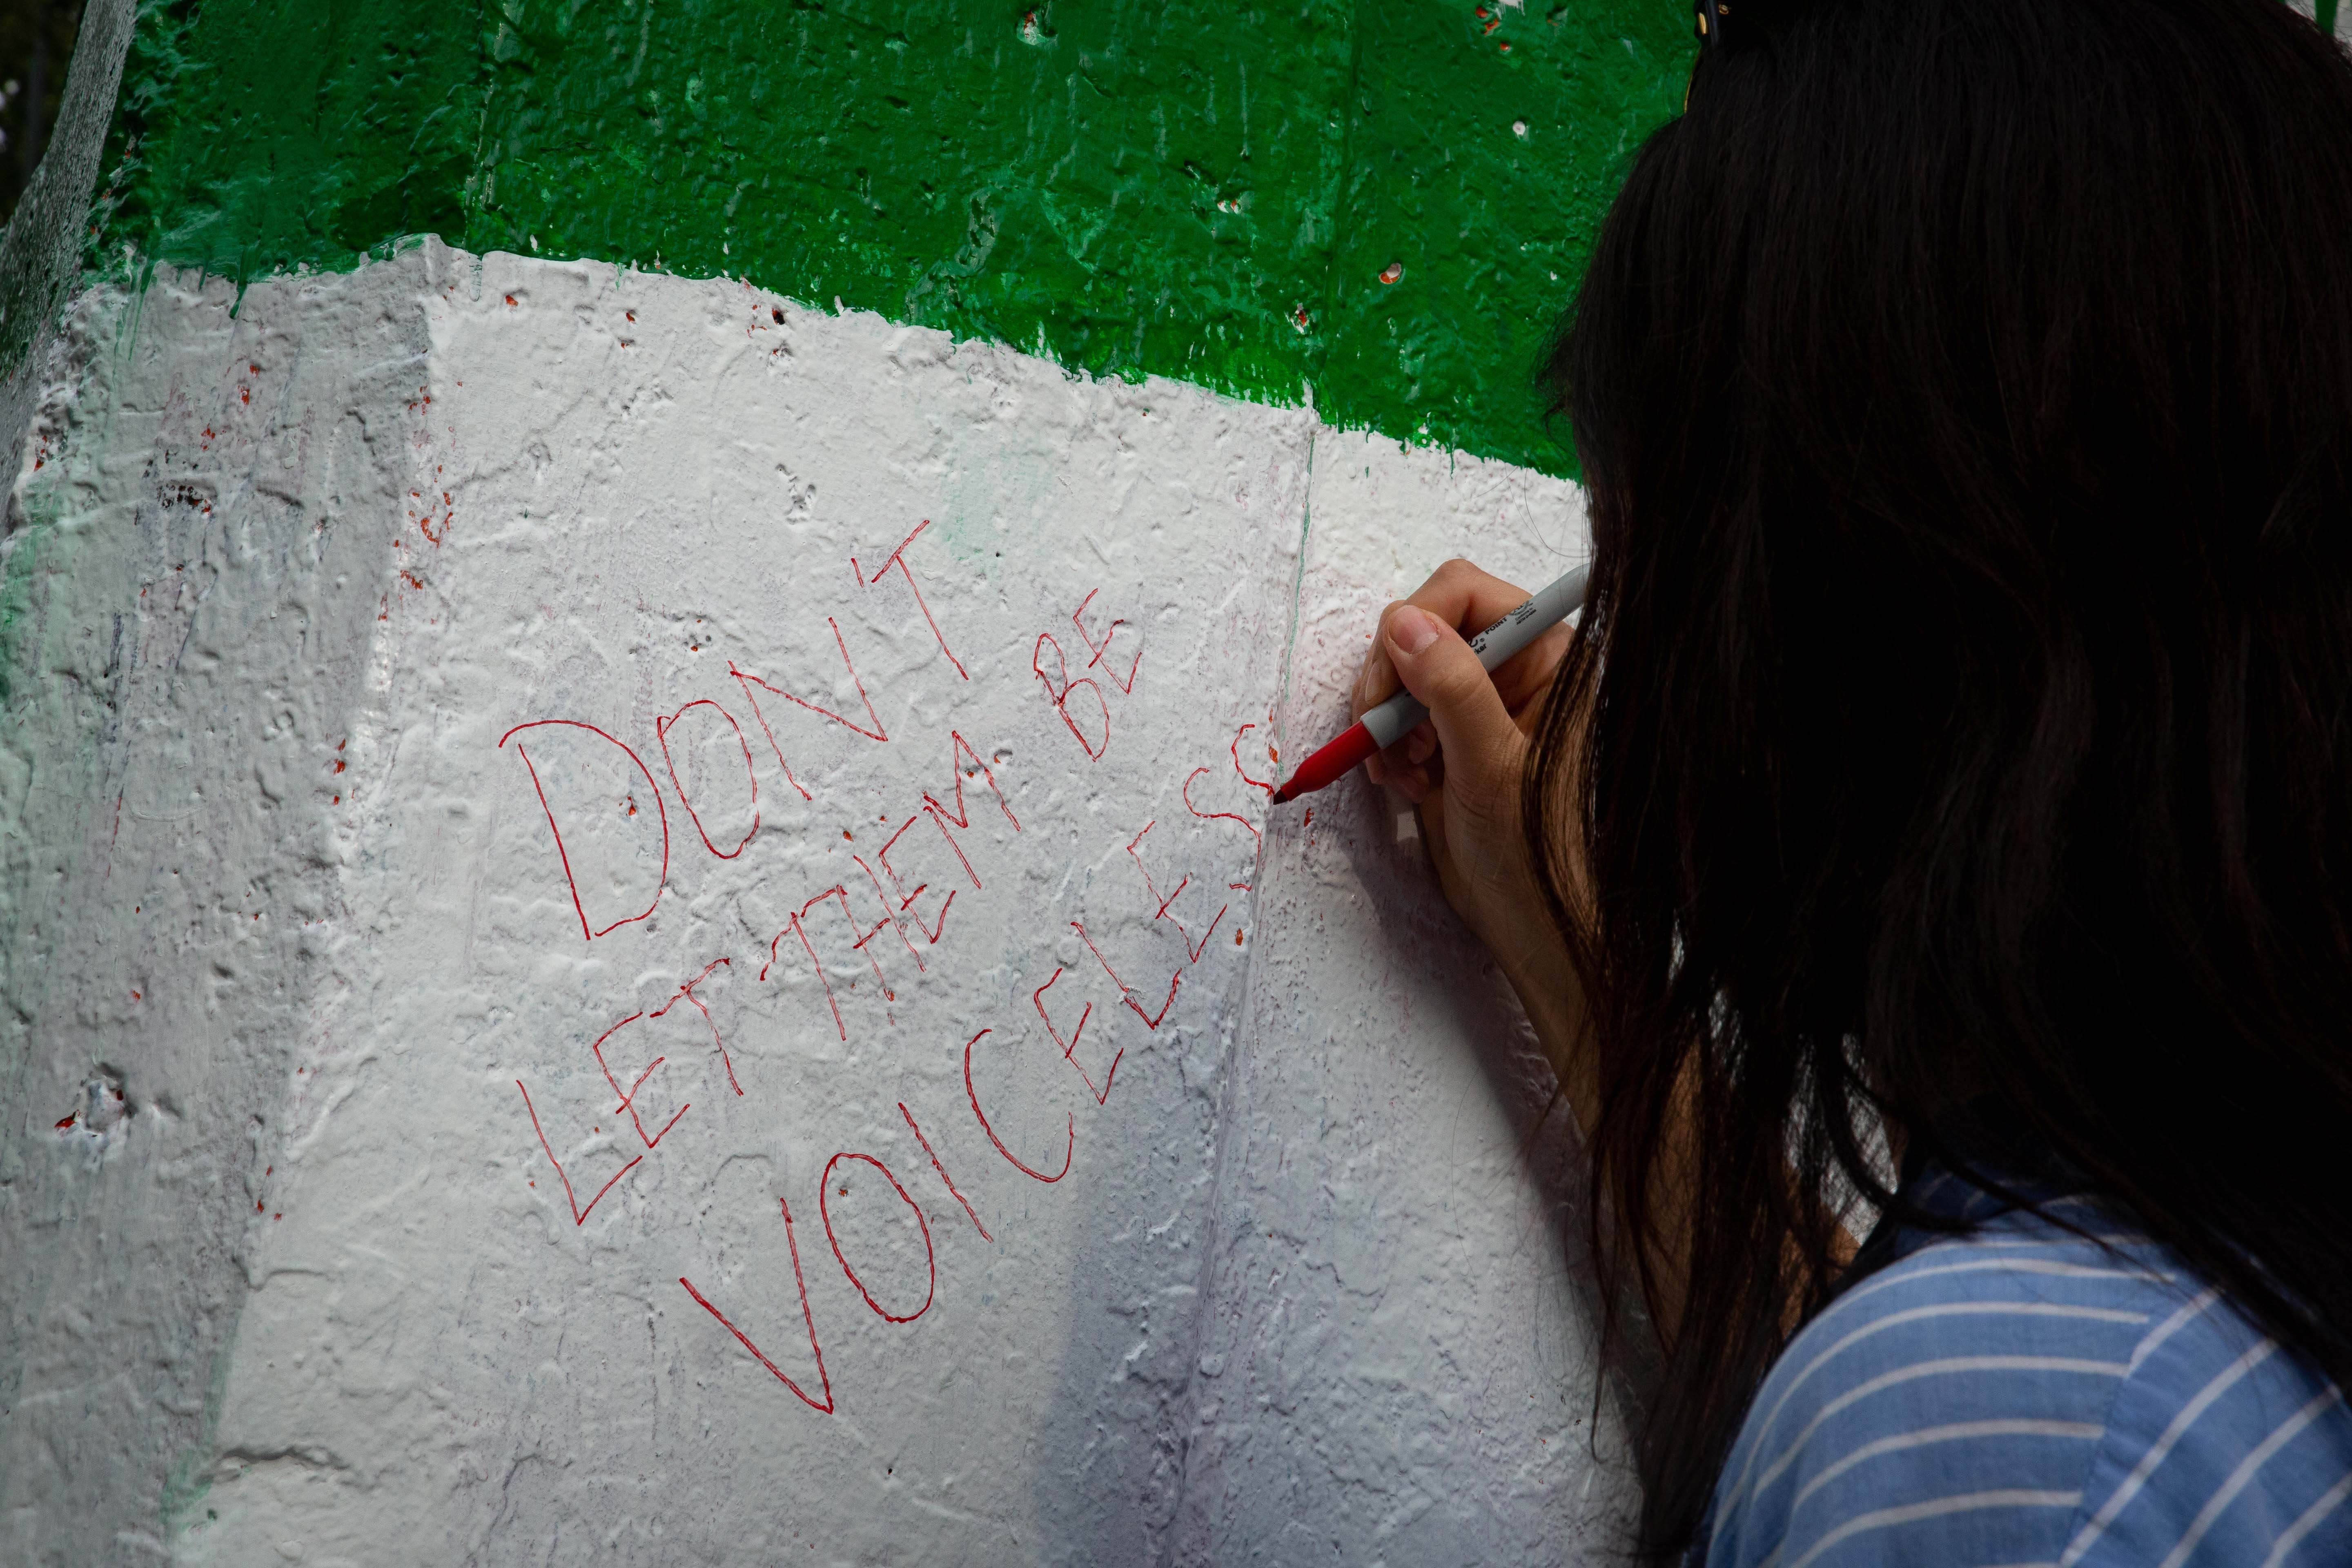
(1437, 667)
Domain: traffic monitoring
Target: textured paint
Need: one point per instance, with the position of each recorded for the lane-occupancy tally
(43, 243)
(303, 1039)
(290, 941)
(1201, 191)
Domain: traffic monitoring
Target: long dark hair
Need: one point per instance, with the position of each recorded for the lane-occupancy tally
(1962, 714)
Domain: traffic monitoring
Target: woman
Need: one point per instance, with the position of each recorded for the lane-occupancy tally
(1951, 775)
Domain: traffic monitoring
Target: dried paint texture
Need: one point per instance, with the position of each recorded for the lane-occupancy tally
(38, 254)
(473, 1093)
(1196, 190)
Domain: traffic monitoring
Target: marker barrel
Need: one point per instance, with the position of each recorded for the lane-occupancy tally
(1389, 722)
(1394, 719)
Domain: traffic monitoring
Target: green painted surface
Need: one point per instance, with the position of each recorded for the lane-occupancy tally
(1211, 192)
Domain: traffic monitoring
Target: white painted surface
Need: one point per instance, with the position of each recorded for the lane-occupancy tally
(1300, 1296)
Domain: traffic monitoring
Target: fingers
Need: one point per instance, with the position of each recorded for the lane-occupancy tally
(1376, 679)
(1469, 600)
(1523, 679)
(1474, 728)
(1405, 766)
(1463, 596)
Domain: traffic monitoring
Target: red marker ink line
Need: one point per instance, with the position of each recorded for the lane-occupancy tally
(629, 1104)
(898, 559)
(1061, 699)
(907, 900)
(629, 1100)
(943, 1170)
(1212, 817)
(1193, 949)
(1037, 1000)
(823, 1380)
(793, 926)
(895, 881)
(579, 1214)
(1385, 725)
(747, 681)
(1235, 749)
(859, 945)
(824, 1196)
(1149, 885)
(686, 992)
(1126, 686)
(960, 816)
(1127, 992)
(1069, 1144)
(560, 853)
(661, 734)
(891, 916)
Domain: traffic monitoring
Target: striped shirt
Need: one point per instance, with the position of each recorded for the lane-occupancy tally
(2022, 1396)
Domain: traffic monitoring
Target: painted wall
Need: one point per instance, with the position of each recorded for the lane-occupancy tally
(544, 972)
(422, 1097)
(1387, 202)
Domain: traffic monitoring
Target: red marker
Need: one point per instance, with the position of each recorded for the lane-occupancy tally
(1392, 721)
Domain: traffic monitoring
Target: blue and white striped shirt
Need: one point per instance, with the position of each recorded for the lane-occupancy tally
(2022, 1396)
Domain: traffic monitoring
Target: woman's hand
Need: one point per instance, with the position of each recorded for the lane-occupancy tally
(1462, 768)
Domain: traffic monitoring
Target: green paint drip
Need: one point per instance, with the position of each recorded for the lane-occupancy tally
(1193, 190)
(2323, 13)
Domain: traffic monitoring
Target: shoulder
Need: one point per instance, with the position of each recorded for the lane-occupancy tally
(1986, 1399)
(2221, 1448)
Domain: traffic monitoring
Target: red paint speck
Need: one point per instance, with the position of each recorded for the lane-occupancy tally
(1392, 271)
(66, 1124)
(1310, 817)
(511, 299)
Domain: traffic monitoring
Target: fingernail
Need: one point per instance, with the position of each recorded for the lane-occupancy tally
(1412, 630)
(1418, 747)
